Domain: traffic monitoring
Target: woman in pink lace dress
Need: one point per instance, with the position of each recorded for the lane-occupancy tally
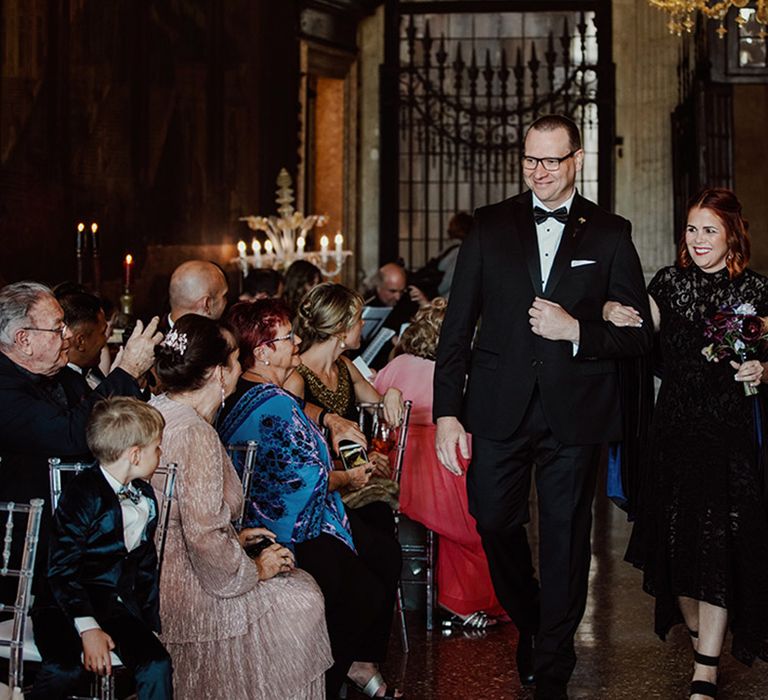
(429, 494)
(234, 628)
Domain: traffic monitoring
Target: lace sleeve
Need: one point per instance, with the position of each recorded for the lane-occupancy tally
(659, 286)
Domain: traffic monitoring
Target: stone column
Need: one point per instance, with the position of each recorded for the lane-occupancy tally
(371, 43)
(646, 57)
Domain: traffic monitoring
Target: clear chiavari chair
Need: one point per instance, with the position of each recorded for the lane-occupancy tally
(243, 458)
(16, 643)
(369, 416)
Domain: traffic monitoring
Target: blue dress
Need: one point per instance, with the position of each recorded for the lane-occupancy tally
(289, 491)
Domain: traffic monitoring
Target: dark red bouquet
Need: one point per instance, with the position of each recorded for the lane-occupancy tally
(735, 333)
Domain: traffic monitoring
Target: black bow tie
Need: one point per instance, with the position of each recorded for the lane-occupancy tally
(130, 493)
(541, 215)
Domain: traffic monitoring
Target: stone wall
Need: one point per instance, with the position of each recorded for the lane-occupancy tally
(646, 58)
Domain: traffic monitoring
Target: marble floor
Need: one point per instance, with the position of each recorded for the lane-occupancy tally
(619, 656)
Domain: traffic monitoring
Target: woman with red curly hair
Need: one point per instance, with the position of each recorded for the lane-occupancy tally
(701, 535)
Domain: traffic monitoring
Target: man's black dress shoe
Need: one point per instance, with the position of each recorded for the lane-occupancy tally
(550, 689)
(524, 658)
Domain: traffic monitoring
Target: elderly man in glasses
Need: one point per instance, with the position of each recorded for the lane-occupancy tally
(538, 386)
(36, 421)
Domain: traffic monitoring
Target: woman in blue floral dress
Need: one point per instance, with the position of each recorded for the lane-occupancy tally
(295, 494)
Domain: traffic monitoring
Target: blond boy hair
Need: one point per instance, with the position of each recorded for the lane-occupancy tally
(119, 423)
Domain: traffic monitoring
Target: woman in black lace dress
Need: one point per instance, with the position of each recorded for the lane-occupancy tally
(701, 536)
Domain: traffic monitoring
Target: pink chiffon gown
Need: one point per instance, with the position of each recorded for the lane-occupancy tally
(431, 495)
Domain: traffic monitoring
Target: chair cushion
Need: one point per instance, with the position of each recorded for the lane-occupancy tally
(30, 652)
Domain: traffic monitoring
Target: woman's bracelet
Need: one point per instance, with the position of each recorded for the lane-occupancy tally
(322, 416)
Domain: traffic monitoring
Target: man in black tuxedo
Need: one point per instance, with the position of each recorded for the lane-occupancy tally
(541, 389)
(36, 421)
(87, 325)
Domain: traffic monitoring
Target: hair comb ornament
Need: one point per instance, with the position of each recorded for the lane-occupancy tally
(176, 341)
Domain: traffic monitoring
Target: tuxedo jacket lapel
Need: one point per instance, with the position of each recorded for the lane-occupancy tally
(572, 233)
(110, 498)
(522, 216)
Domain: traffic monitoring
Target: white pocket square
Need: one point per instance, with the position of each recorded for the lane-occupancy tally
(580, 263)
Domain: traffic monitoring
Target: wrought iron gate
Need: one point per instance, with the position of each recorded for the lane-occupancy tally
(458, 91)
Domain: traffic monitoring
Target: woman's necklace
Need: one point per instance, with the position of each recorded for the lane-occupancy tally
(259, 374)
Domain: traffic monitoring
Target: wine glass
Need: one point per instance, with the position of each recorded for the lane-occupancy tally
(383, 436)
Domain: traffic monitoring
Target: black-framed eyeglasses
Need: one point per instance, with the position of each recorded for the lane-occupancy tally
(550, 164)
(274, 340)
(61, 331)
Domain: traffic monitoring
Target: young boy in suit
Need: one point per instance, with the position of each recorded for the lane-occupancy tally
(102, 565)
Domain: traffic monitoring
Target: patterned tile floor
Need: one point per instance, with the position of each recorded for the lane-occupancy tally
(619, 656)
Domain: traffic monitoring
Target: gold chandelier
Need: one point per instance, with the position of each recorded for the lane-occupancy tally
(683, 13)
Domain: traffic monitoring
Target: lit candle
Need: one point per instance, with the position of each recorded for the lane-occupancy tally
(339, 241)
(300, 243)
(268, 249)
(243, 260)
(127, 264)
(256, 248)
(96, 261)
(79, 245)
(324, 249)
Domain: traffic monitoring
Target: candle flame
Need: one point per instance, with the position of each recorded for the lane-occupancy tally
(80, 227)
(255, 246)
(300, 243)
(324, 242)
(129, 259)
(94, 227)
(268, 246)
(241, 247)
(339, 239)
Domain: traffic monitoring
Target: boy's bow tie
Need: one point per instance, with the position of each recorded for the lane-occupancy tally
(130, 493)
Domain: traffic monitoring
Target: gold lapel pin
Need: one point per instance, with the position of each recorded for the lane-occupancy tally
(582, 220)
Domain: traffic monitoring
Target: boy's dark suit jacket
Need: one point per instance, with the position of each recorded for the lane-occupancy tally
(88, 564)
(497, 277)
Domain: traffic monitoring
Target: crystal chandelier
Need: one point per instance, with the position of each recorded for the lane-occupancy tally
(287, 237)
(683, 13)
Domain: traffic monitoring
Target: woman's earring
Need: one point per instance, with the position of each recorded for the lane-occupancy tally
(221, 385)
(342, 344)
(266, 362)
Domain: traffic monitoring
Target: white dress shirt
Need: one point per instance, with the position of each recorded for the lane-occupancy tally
(549, 233)
(92, 379)
(135, 519)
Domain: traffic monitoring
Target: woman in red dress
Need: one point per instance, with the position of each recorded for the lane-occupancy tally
(429, 494)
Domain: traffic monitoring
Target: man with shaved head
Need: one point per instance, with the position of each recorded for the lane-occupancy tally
(197, 287)
(391, 288)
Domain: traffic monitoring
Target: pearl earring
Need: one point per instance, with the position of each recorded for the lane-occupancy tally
(342, 344)
(221, 385)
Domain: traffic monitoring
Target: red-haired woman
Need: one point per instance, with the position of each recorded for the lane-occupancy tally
(701, 535)
(295, 490)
